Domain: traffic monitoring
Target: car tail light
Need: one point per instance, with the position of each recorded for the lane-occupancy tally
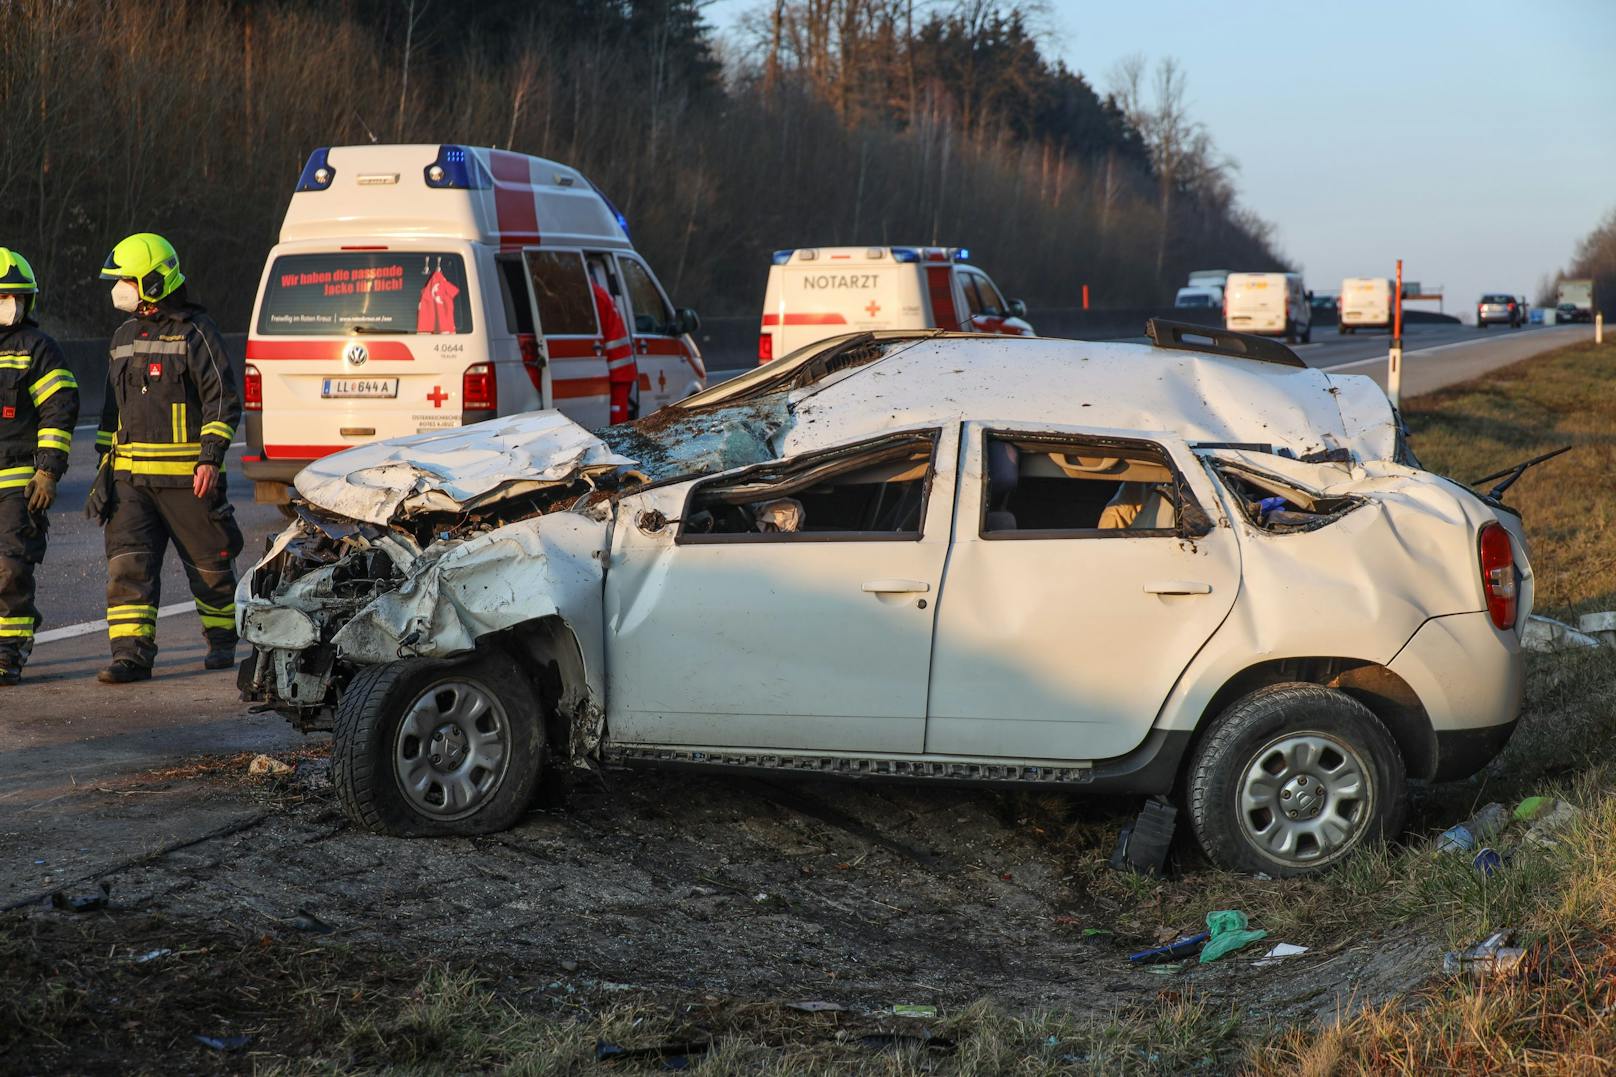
(478, 390)
(765, 348)
(252, 389)
(1498, 575)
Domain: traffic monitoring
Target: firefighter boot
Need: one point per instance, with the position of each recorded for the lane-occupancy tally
(124, 671)
(221, 653)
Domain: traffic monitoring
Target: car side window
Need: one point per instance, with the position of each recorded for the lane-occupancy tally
(651, 312)
(992, 301)
(566, 305)
(1036, 486)
(875, 490)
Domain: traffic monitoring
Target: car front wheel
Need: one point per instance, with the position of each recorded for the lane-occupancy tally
(425, 747)
(1293, 778)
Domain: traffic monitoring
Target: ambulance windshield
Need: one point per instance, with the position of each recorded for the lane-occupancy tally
(388, 292)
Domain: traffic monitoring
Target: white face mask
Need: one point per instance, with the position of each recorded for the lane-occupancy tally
(124, 296)
(10, 310)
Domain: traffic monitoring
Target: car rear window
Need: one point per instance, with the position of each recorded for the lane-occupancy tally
(1498, 299)
(394, 292)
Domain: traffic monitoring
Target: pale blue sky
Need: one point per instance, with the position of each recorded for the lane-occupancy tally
(1473, 139)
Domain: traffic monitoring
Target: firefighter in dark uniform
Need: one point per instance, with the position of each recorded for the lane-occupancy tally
(39, 403)
(171, 411)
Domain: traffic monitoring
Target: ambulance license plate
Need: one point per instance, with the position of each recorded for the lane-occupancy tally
(337, 388)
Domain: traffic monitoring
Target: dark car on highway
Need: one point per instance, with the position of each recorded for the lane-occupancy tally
(1499, 310)
(1570, 312)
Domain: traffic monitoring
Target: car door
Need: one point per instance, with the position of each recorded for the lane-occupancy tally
(813, 635)
(666, 370)
(559, 287)
(1083, 578)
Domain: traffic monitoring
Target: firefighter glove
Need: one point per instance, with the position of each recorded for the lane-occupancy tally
(98, 506)
(41, 491)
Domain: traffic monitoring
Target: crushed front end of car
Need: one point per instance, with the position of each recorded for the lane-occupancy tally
(416, 548)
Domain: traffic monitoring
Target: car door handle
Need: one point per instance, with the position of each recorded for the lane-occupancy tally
(1178, 587)
(896, 587)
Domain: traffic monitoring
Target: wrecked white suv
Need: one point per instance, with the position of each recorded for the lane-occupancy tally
(1189, 568)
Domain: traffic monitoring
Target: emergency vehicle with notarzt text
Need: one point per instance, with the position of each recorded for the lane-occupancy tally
(820, 292)
(425, 287)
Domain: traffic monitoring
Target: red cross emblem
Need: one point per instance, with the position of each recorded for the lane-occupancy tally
(437, 396)
(874, 308)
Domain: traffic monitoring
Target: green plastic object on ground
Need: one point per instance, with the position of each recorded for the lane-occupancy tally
(1531, 807)
(1229, 933)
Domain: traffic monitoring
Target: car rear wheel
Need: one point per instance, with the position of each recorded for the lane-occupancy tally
(1292, 779)
(426, 748)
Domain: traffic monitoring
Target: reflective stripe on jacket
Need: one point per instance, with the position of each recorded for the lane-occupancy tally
(39, 403)
(172, 400)
(619, 350)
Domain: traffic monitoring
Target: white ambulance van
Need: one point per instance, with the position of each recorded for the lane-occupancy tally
(1366, 303)
(1275, 304)
(820, 292)
(424, 287)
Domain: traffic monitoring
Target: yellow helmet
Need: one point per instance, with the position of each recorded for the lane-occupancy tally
(17, 278)
(150, 261)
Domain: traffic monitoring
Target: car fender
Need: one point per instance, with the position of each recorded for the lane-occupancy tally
(457, 593)
(1356, 588)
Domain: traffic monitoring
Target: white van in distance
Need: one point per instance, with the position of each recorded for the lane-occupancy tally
(1275, 304)
(1366, 303)
(1198, 298)
(819, 292)
(419, 288)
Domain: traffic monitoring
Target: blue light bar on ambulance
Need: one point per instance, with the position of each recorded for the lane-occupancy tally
(456, 169)
(622, 221)
(782, 257)
(905, 254)
(317, 174)
(962, 254)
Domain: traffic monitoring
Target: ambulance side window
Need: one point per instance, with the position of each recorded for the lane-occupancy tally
(973, 302)
(651, 312)
(992, 301)
(566, 305)
(513, 290)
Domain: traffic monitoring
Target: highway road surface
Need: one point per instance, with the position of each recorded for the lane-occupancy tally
(61, 729)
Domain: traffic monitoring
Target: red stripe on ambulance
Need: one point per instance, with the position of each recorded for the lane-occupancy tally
(514, 208)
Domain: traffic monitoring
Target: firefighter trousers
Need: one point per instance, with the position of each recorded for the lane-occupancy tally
(144, 520)
(22, 546)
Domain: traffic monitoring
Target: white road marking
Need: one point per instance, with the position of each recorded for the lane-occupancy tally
(91, 627)
(1418, 351)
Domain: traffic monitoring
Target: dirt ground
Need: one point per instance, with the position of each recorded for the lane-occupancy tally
(663, 885)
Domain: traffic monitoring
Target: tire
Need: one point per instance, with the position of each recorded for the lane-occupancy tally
(1290, 332)
(1317, 738)
(390, 720)
(1340, 329)
(1307, 334)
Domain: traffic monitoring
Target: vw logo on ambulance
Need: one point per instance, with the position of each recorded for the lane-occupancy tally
(357, 353)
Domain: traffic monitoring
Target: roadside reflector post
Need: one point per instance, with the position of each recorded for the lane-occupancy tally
(1599, 328)
(1394, 358)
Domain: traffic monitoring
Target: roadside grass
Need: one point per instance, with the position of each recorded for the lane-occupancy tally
(1559, 1014)
(330, 1009)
